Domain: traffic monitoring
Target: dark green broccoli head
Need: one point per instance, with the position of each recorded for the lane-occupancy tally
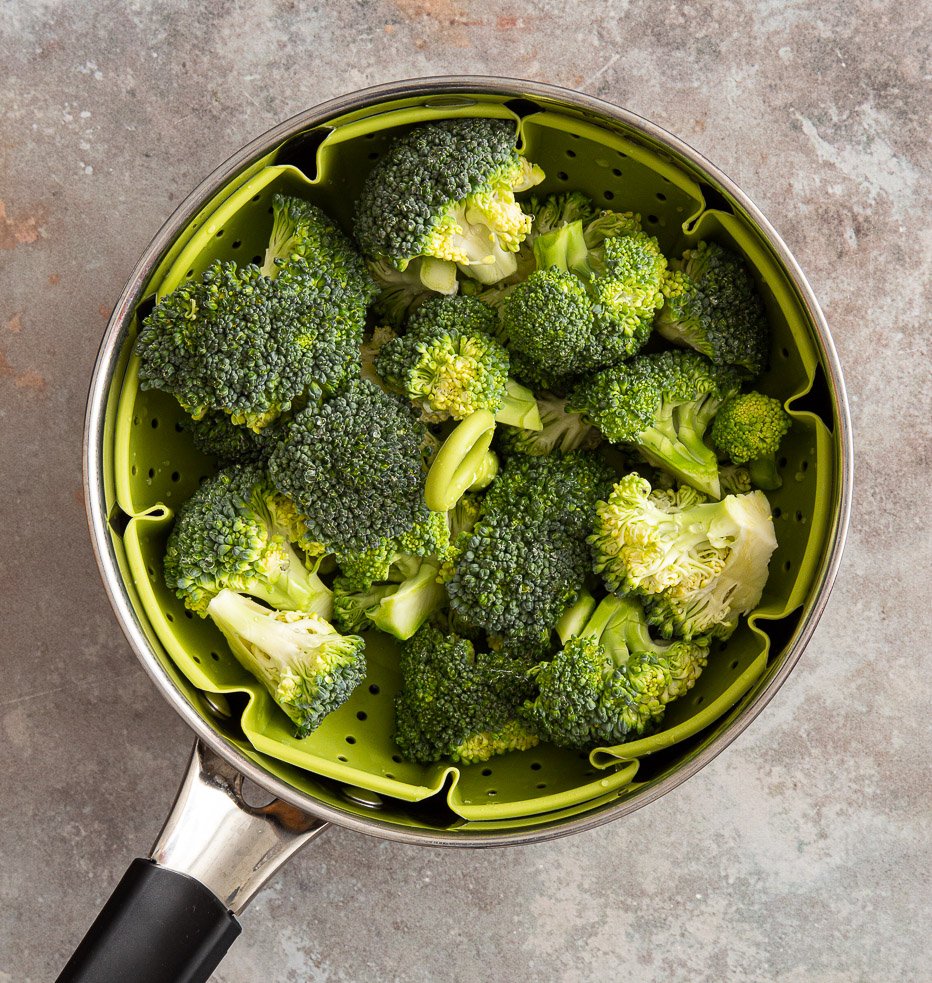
(231, 534)
(749, 428)
(526, 557)
(353, 465)
(712, 305)
(309, 669)
(586, 306)
(612, 681)
(237, 341)
(554, 211)
(457, 702)
(446, 190)
(308, 247)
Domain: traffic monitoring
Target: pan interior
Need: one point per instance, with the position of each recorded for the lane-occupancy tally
(155, 467)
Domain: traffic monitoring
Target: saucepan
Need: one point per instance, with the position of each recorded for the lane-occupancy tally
(174, 914)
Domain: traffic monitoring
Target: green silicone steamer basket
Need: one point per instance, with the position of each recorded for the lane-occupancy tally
(141, 464)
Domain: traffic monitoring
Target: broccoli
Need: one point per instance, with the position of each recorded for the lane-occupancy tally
(561, 431)
(697, 564)
(308, 248)
(457, 702)
(586, 306)
(749, 428)
(446, 190)
(308, 667)
(526, 557)
(554, 211)
(235, 533)
(412, 594)
(215, 434)
(354, 468)
(252, 345)
(449, 365)
(611, 681)
(711, 304)
(663, 404)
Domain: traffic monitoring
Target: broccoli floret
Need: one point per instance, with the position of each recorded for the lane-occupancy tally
(586, 306)
(449, 365)
(711, 304)
(232, 534)
(215, 434)
(446, 190)
(457, 702)
(749, 428)
(308, 248)
(611, 681)
(353, 466)
(526, 557)
(251, 345)
(561, 431)
(308, 667)
(413, 593)
(698, 565)
(663, 404)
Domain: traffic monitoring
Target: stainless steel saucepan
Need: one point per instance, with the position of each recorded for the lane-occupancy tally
(173, 916)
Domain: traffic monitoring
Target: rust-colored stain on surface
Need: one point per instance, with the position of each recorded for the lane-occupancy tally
(15, 324)
(21, 230)
(30, 379)
(105, 310)
(54, 279)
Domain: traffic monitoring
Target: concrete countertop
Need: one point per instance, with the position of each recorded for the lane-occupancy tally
(800, 854)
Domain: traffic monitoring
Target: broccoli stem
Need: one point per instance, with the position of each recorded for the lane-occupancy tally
(575, 617)
(403, 611)
(296, 589)
(487, 472)
(763, 472)
(691, 462)
(564, 249)
(438, 274)
(519, 408)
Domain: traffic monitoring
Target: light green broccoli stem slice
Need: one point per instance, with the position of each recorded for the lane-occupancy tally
(402, 612)
(439, 275)
(295, 588)
(574, 618)
(519, 408)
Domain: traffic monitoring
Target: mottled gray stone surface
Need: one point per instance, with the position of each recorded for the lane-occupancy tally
(802, 854)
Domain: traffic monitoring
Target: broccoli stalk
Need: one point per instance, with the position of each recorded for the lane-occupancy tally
(398, 608)
(308, 668)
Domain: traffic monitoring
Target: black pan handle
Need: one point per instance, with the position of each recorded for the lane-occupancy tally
(172, 917)
(158, 925)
